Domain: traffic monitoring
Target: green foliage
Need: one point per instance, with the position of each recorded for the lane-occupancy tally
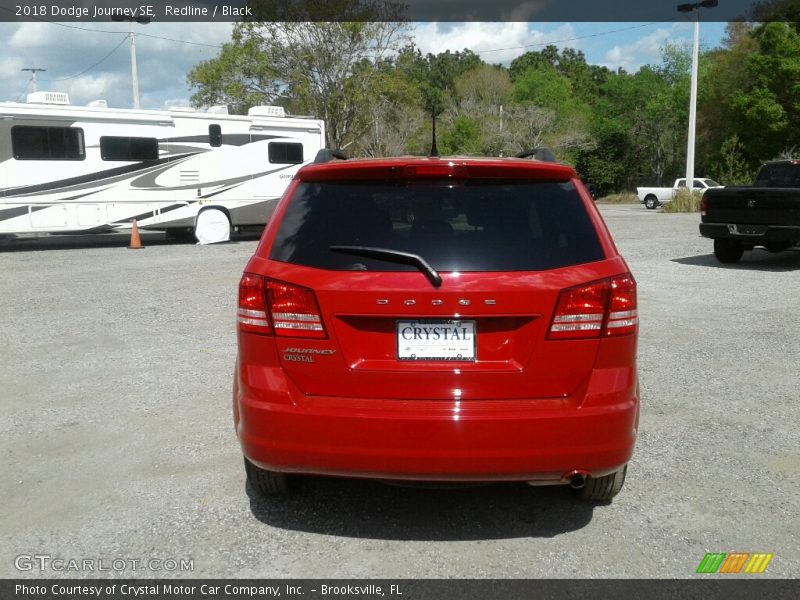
(240, 77)
(377, 94)
(462, 138)
(731, 168)
(684, 201)
(754, 93)
(328, 69)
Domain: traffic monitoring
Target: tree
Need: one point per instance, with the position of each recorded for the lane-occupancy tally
(767, 111)
(323, 68)
(731, 168)
(543, 87)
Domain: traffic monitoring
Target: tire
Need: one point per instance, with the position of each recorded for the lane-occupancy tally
(603, 489)
(267, 483)
(727, 251)
(212, 227)
(651, 202)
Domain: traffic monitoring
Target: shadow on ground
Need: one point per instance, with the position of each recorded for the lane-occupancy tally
(374, 510)
(755, 260)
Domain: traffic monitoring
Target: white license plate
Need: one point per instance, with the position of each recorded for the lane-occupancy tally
(436, 339)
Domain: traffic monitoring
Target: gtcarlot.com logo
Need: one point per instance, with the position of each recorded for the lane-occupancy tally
(46, 562)
(734, 562)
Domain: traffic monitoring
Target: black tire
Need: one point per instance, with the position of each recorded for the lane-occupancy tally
(267, 483)
(651, 202)
(727, 251)
(603, 489)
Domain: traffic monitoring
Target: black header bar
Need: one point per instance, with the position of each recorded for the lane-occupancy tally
(705, 588)
(374, 10)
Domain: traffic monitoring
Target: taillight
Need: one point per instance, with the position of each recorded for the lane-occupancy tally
(703, 206)
(252, 313)
(294, 310)
(271, 307)
(606, 307)
(622, 314)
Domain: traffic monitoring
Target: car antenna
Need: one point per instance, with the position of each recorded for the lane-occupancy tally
(434, 150)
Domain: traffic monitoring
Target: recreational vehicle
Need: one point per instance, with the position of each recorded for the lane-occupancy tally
(93, 169)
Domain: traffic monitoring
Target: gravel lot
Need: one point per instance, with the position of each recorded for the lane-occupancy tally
(117, 440)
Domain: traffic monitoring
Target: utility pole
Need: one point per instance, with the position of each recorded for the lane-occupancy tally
(132, 35)
(33, 71)
(694, 8)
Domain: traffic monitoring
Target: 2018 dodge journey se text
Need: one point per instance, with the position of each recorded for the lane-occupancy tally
(437, 319)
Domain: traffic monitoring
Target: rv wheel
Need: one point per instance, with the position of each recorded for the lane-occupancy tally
(212, 227)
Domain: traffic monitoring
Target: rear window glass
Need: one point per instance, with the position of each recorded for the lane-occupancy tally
(779, 175)
(473, 227)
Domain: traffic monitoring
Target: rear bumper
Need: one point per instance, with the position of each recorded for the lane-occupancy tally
(476, 440)
(770, 233)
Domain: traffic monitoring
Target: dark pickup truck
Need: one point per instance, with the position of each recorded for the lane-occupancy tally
(765, 214)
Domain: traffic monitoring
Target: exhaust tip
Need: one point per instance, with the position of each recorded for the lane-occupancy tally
(577, 479)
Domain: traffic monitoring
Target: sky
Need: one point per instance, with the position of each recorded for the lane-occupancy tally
(91, 61)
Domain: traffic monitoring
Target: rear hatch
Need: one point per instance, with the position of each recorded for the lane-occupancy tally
(455, 282)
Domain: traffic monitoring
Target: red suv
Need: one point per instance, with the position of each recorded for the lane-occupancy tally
(437, 319)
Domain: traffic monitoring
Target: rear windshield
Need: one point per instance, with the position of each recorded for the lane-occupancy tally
(464, 227)
(779, 175)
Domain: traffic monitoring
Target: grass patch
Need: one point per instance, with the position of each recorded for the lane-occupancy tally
(684, 202)
(619, 199)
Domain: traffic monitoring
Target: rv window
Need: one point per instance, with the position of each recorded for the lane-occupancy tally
(281, 152)
(47, 143)
(215, 136)
(128, 148)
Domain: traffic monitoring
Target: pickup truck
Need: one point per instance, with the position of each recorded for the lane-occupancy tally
(653, 197)
(765, 214)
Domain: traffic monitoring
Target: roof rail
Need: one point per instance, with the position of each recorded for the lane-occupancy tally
(328, 154)
(543, 154)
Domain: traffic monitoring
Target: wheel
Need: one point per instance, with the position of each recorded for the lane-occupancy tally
(602, 489)
(267, 483)
(727, 251)
(212, 227)
(651, 202)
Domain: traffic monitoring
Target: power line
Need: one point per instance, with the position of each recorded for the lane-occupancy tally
(93, 66)
(574, 39)
(149, 35)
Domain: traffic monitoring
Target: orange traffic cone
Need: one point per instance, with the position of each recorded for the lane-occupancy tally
(136, 243)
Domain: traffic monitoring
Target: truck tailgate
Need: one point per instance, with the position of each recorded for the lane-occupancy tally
(752, 205)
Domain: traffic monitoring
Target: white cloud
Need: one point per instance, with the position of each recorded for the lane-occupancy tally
(644, 51)
(78, 62)
(493, 42)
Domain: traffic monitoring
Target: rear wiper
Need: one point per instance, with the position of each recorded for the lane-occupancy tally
(405, 258)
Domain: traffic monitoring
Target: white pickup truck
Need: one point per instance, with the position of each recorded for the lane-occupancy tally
(653, 197)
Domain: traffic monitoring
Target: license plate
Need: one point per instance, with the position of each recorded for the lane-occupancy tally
(436, 339)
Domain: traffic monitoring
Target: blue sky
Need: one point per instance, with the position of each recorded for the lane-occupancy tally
(92, 60)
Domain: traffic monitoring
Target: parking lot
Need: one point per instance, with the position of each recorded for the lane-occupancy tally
(118, 444)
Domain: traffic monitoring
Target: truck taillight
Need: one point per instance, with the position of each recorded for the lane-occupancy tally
(252, 312)
(601, 308)
(294, 310)
(271, 307)
(703, 206)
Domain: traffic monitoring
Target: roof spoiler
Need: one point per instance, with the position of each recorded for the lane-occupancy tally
(543, 154)
(328, 154)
